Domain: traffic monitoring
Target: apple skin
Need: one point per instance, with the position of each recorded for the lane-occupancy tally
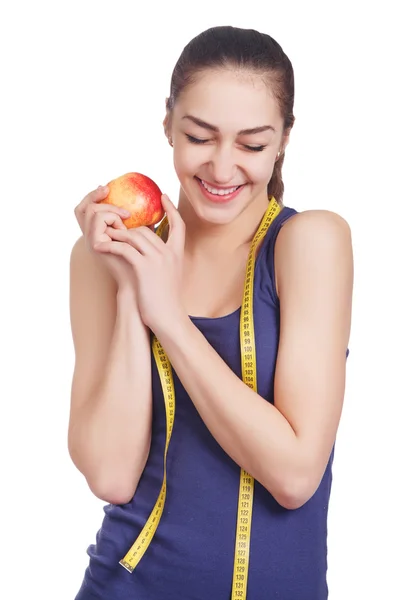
(138, 194)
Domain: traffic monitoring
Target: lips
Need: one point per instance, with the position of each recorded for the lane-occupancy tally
(218, 195)
(216, 189)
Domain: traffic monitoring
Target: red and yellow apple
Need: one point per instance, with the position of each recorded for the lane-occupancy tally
(138, 194)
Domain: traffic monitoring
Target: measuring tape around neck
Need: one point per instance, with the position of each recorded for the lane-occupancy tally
(249, 376)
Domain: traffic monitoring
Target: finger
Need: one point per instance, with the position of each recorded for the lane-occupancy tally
(137, 239)
(176, 234)
(119, 249)
(100, 194)
(151, 236)
(102, 212)
(95, 208)
(96, 224)
(94, 196)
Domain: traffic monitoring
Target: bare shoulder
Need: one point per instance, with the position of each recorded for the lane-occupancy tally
(82, 259)
(315, 224)
(92, 287)
(319, 236)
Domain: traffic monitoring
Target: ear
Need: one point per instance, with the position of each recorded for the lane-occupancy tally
(285, 141)
(167, 121)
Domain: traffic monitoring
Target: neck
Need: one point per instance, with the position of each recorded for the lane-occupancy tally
(205, 238)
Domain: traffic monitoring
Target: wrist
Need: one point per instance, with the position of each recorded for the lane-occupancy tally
(173, 328)
(126, 296)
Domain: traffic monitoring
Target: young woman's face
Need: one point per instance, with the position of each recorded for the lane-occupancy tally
(214, 148)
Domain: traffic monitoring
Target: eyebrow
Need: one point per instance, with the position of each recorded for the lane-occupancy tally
(250, 131)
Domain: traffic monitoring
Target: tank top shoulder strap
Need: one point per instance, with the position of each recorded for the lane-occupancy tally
(267, 252)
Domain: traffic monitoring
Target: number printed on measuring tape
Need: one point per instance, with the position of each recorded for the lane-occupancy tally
(249, 376)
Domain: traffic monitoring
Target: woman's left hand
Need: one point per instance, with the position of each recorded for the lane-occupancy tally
(157, 266)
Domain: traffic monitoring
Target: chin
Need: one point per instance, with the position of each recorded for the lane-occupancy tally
(215, 217)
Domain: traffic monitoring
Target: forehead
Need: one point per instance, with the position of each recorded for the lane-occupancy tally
(230, 99)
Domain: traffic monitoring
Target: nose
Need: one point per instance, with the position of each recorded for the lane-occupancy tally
(223, 166)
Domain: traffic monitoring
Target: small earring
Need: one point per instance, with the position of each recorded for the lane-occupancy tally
(170, 142)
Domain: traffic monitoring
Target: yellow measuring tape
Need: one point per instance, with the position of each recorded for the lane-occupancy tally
(249, 376)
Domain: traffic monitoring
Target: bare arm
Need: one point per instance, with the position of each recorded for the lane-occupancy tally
(111, 407)
(285, 446)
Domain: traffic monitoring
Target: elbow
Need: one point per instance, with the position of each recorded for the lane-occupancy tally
(118, 488)
(291, 501)
(108, 482)
(111, 492)
(295, 492)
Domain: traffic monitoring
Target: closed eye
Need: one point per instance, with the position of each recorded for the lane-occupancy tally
(194, 140)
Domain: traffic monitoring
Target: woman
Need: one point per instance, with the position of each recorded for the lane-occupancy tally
(241, 509)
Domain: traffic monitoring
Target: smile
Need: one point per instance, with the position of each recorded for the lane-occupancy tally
(219, 195)
(219, 191)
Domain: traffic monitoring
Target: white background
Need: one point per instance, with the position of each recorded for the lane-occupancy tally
(83, 91)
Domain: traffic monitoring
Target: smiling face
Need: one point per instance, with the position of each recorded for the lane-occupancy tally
(227, 131)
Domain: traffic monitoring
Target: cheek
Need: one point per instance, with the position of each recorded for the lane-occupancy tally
(187, 161)
(260, 169)
(263, 174)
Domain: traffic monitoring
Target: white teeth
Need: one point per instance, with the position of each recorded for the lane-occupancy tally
(218, 192)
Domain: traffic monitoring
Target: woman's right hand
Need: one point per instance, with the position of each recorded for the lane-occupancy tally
(94, 219)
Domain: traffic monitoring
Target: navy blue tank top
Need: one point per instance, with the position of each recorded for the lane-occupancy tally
(191, 555)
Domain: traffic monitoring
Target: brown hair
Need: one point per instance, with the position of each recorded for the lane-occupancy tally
(233, 47)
